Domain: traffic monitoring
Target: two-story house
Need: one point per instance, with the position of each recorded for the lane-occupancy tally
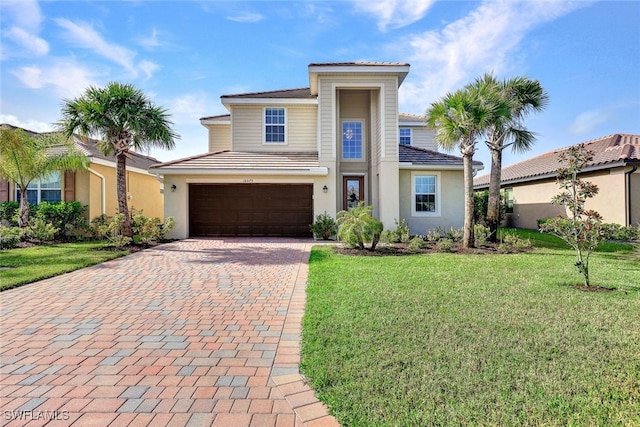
(281, 157)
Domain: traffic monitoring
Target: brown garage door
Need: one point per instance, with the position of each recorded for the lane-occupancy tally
(250, 209)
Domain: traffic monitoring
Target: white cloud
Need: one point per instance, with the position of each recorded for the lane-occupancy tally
(188, 108)
(65, 77)
(34, 44)
(395, 13)
(83, 35)
(32, 125)
(588, 121)
(24, 13)
(485, 40)
(25, 18)
(151, 41)
(246, 17)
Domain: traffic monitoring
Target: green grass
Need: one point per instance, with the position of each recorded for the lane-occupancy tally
(26, 265)
(447, 339)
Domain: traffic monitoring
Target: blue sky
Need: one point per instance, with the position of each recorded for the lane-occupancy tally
(186, 54)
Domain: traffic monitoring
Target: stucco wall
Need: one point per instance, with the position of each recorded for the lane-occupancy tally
(451, 202)
(532, 201)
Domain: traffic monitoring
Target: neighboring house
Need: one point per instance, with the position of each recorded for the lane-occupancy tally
(530, 185)
(281, 157)
(96, 187)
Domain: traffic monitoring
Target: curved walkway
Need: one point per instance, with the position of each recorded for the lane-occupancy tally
(198, 332)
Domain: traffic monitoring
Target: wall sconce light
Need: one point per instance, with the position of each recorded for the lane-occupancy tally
(173, 187)
(325, 189)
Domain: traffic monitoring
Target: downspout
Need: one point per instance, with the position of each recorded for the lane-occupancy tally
(103, 190)
(628, 177)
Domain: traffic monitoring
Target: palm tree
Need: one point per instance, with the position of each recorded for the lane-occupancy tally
(25, 159)
(515, 98)
(459, 118)
(124, 118)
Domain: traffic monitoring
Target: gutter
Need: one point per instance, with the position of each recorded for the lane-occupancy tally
(628, 181)
(103, 190)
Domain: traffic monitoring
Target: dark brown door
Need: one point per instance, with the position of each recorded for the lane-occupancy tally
(352, 190)
(283, 210)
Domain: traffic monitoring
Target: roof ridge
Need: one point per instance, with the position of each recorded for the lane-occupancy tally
(196, 156)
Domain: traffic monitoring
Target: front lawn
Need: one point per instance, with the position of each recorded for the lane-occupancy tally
(26, 265)
(446, 339)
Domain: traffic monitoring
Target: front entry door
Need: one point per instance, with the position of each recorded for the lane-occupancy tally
(352, 190)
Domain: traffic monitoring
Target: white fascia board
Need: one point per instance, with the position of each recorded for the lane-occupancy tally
(270, 101)
(357, 68)
(411, 166)
(104, 162)
(419, 124)
(205, 122)
(319, 171)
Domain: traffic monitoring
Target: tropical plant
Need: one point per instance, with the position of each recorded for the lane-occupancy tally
(323, 227)
(583, 230)
(125, 119)
(67, 217)
(356, 226)
(459, 118)
(10, 236)
(514, 99)
(25, 159)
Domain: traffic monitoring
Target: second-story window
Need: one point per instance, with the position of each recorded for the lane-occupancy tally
(274, 129)
(352, 140)
(405, 136)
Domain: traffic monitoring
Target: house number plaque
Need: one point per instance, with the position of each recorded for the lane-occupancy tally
(247, 180)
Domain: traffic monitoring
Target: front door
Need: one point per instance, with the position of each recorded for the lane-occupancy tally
(352, 190)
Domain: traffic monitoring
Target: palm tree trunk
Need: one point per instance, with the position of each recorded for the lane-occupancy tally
(493, 206)
(468, 239)
(23, 217)
(121, 188)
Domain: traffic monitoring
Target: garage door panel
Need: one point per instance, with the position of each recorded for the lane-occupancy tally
(250, 209)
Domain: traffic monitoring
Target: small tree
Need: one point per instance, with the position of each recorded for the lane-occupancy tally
(356, 226)
(583, 229)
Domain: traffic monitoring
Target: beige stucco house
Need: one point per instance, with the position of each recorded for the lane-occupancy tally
(530, 185)
(280, 158)
(96, 187)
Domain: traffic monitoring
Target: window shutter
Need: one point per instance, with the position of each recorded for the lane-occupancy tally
(69, 186)
(4, 190)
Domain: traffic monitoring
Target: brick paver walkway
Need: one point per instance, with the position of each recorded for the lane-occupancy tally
(198, 332)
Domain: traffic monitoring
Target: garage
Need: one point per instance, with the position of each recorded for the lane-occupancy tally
(252, 210)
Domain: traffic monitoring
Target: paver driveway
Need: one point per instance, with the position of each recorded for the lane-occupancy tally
(197, 332)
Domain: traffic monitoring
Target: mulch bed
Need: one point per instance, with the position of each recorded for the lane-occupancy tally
(402, 249)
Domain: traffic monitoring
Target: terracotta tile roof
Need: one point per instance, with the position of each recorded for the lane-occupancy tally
(234, 160)
(609, 151)
(300, 93)
(421, 156)
(90, 149)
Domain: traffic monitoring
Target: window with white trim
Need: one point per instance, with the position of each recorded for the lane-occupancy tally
(274, 125)
(352, 140)
(48, 189)
(425, 194)
(405, 136)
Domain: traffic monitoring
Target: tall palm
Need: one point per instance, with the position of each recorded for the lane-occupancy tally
(515, 98)
(123, 118)
(459, 118)
(25, 159)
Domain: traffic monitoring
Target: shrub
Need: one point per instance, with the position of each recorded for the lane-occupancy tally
(481, 234)
(9, 213)
(445, 245)
(356, 226)
(67, 217)
(41, 231)
(100, 226)
(169, 224)
(620, 232)
(323, 227)
(512, 243)
(433, 235)
(481, 204)
(116, 232)
(10, 236)
(454, 234)
(416, 244)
